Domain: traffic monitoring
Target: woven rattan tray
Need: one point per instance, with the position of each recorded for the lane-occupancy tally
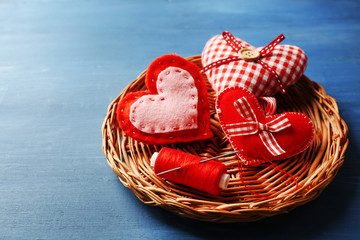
(314, 169)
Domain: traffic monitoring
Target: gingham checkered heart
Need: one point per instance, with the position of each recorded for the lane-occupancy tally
(278, 67)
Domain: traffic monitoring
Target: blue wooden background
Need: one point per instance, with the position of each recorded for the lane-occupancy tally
(62, 62)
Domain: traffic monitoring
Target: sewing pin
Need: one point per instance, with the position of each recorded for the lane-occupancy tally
(202, 161)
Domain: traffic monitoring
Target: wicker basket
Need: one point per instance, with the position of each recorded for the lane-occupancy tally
(314, 169)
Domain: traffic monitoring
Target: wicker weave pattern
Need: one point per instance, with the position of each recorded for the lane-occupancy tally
(314, 169)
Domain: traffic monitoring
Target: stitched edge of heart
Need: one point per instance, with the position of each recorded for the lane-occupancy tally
(156, 67)
(246, 159)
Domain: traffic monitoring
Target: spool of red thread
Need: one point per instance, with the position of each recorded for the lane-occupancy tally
(210, 176)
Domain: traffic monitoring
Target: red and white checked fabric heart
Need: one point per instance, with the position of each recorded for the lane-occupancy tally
(278, 66)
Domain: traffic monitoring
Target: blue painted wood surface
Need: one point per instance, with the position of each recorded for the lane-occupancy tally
(62, 62)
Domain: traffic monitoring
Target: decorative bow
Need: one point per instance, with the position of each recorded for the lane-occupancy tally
(237, 47)
(253, 126)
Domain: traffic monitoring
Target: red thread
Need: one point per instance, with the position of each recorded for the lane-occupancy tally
(204, 177)
(240, 165)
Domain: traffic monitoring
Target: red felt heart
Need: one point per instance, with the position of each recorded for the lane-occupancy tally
(287, 61)
(237, 108)
(175, 109)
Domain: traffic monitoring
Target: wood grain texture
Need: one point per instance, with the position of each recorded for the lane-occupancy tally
(62, 62)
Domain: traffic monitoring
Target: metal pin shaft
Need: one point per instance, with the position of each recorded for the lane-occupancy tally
(202, 161)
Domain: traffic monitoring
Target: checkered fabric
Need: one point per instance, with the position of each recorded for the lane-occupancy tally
(252, 126)
(289, 63)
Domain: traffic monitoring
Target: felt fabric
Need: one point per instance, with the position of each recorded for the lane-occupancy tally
(164, 112)
(293, 137)
(288, 62)
(174, 109)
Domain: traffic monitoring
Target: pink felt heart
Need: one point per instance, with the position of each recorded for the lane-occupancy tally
(287, 61)
(259, 137)
(174, 109)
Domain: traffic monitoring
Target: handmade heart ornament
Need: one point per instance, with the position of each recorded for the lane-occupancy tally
(174, 109)
(259, 137)
(229, 61)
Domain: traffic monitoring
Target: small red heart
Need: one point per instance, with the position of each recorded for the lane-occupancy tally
(175, 109)
(288, 61)
(292, 139)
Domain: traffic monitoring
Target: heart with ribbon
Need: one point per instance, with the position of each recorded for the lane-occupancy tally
(258, 135)
(229, 61)
(175, 107)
